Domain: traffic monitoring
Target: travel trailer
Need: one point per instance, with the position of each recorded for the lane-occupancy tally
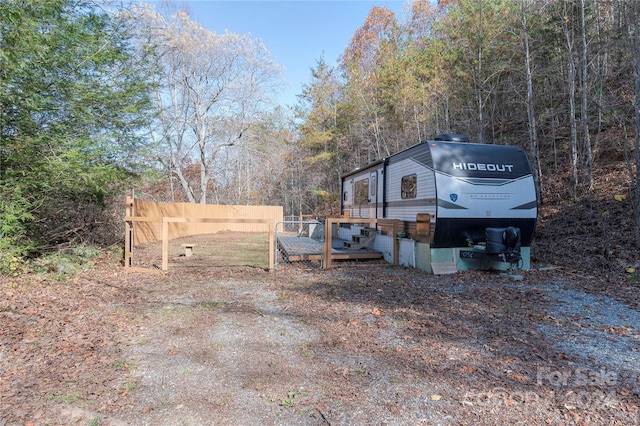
(464, 205)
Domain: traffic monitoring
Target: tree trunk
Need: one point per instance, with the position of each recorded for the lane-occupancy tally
(533, 137)
(571, 83)
(585, 97)
(480, 84)
(634, 184)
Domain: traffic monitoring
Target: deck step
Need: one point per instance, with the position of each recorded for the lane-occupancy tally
(366, 236)
(368, 232)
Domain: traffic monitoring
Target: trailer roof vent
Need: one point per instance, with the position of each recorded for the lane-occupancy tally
(451, 137)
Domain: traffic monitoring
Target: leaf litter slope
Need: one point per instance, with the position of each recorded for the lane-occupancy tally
(359, 344)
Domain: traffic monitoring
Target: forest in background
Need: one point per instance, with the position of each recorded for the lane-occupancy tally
(96, 99)
(555, 77)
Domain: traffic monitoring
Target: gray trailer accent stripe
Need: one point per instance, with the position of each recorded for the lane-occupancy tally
(447, 205)
(412, 203)
(405, 203)
(527, 206)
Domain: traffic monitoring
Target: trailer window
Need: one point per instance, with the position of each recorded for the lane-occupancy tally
(409, 186)
(361, 192)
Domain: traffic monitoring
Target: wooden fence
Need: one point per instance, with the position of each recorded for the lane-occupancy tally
(148, 222)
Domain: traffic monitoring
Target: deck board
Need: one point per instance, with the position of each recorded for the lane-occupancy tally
(304, 248)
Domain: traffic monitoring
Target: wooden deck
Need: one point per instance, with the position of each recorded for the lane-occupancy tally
(296, 248)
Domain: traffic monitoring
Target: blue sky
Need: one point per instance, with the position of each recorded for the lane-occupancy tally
(296, 32)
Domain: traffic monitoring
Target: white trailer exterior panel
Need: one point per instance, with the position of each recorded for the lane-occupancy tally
(403, 206)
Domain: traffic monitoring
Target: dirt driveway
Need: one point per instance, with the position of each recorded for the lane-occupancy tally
(361, 344)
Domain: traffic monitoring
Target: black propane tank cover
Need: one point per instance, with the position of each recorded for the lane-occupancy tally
(495, 240)
(512, 238)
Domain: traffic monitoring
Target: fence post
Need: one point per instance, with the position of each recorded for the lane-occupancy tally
(165, 244)
(272, 250)
(326, 252)
(300, 223)
(396, 243)
(128, 232)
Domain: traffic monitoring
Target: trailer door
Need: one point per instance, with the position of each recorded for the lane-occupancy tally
(373, 194)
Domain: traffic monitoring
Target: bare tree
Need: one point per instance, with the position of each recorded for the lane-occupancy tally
(585, 95)
(571, 92)
(531, 115)
(635, 186)
(211, 88)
